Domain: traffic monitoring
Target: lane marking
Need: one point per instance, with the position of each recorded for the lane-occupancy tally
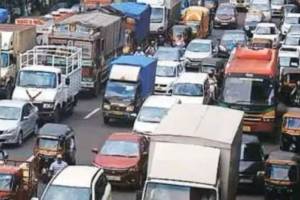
(92, 113)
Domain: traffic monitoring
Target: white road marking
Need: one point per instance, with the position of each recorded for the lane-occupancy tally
(92, 113)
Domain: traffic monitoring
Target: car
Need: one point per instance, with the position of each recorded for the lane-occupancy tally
(226, 16)
(252, 159)
(77, 183)
(230, 39)
(191, 87)
(267, 31)
(294, 29)
(264, 6)
(288, 57)
(289, 8)
(289, 19)
(18, 120)
(212, 5)
(276, 7)
(124, 159)
(152, 112)
(166, 73)
(253, 17)
(196, 51)
(169, 53)
(292, 40)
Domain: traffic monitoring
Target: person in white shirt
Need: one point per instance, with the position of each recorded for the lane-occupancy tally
(58, 164)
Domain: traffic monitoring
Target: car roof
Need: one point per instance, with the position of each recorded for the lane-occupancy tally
(125, 136)
(192, 77)
(234, 31)
(160, 101)
(169, 63)
(267, 24)
(76, 176)
(13, 103)
(206, 41)
(56, 130)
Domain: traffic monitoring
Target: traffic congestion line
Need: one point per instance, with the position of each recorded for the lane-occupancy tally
(92, 113)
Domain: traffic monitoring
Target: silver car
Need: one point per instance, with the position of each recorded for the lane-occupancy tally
(18, 120)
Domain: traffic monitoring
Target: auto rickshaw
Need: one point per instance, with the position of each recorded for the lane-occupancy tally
(290, 131)
(261, 43)
(288, 79)
(180, 32)
(198, 18)
(282, 180)
(53, 139)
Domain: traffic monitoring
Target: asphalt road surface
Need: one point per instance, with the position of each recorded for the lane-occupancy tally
(91, 132)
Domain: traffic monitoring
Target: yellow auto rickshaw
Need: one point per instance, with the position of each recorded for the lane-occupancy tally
(198, 18)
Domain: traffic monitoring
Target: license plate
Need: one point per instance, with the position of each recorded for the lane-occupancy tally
(224, 23)
(117, 112)
(113, 178)
(242, 180)
(246, 128)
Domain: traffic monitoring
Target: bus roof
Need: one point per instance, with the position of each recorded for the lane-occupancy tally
(253, 61)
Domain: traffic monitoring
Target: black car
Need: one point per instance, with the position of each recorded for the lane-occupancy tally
(252, 160)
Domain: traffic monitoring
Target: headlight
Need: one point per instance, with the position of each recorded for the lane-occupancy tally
(10, 132)
(48, 105)
(130, 108)
(106, 106)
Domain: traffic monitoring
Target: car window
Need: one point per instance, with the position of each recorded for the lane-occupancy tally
(100, 187)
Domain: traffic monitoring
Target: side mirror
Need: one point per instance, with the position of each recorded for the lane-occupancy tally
(95, 150)
(67, 81)
(25, 117)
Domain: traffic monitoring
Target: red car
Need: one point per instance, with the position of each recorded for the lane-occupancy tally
(124, 159)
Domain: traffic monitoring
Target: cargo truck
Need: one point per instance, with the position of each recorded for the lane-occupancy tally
(137, 24)
(210, 127)
(131, 81)
(101, 37)
(164, 14)
(50, 78)
(14, 39)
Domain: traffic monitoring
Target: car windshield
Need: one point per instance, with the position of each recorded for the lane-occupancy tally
(9, 113)
(233, 39)
(188, 89)
(165, 71)
(281, 172)
(4, 62)
(37, 79)
(167, 54)
(156, 15)
(200, 47)
(277, 2)
(120, 148)
(59, 192)
(248, 91)
(261, 7)
(292, 40)
(5, 182)
(120, 90)
(261, 30)
(291, 20)
(288, 61)
(251, 152)
(225, 10)
(160, 191)
(152, 114)
(47, 143)
(292, 123)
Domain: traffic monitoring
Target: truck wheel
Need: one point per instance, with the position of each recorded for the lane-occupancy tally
(20, 139)
(57, 115)
(106, 120)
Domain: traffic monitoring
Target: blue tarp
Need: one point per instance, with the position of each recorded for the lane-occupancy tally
(141, 13)
(3, 15)
(147, 73)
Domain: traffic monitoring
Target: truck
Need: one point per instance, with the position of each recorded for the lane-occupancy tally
(50, 78)
(101, 37)
(18, 180)
(164, 14)
(250, 85)
(131, 81)
(137, 24)
(208, 127)
(15, 39)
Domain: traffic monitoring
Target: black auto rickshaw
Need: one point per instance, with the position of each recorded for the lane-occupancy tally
(282, 180)
(214, 64)
(180, 35)
(54, 139)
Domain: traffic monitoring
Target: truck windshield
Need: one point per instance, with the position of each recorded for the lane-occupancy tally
(248, 91)
(188, 89)
(156, 15)
(37, 79)
(120, 90)
(281, 172)
(152, 114)
(291, 122)
(5, 182)
(58, 192)
(165, 71)
(159, 191)
(4, 62)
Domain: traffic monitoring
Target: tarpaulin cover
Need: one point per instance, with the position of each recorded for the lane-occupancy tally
(3, 15)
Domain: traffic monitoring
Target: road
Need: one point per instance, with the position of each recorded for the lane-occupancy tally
(91, 132)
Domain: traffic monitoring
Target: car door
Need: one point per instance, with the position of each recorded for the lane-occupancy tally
(25, 120)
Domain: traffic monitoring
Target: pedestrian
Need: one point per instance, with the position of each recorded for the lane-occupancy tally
(58, 164)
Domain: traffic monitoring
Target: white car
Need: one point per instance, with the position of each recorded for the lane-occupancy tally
(152, 112)
(191, 88)
(264, 6)
(166, 73)
(288, 57)
(277, 6)
(18, 120)
(292, 40)
(196, 51)
(289, 20)
(267, 31)
(78, 182)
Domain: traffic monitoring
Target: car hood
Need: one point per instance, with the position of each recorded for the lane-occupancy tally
(224, 17)
(34, 94)
(164, 80)
(189, 99)
(8, 124)
(193, 55)
(144, 127)
(117, 162)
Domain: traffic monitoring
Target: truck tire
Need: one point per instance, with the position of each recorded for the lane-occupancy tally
(106, 120)
(57, 115)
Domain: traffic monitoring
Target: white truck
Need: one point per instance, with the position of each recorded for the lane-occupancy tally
(164, 13)
(50, 78)
(204, 126)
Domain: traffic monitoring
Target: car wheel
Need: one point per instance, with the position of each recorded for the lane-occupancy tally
(20, 139)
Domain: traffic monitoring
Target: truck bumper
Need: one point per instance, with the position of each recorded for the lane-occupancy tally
(120, 115)
(258, 126)
(87, 86)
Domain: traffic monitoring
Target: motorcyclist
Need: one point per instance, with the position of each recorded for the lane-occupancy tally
(295, 94)
(58, 164)
(139, 51)
(151, 48)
